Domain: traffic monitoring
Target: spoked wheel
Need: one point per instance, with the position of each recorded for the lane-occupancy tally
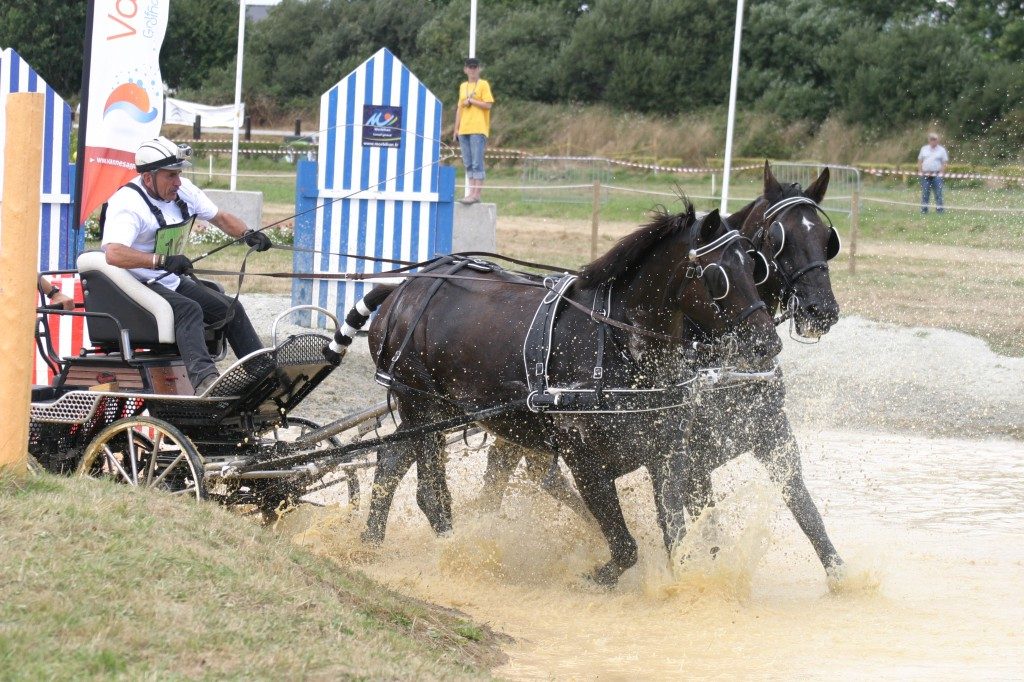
(146, 453)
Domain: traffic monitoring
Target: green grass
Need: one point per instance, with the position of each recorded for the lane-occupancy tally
(101, 581)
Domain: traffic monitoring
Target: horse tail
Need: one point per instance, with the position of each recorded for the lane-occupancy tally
(355, 319)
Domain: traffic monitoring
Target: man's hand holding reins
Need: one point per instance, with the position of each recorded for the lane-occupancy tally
(257, 240)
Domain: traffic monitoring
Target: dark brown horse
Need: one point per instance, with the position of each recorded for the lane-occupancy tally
(786, 226)
(797, 240)
(459, 347)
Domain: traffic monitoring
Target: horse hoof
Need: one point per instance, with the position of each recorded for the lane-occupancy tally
(605, 576)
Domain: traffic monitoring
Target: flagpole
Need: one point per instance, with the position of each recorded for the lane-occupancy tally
(472, 28)
(83, 118)
(238, 94)
(732, 106)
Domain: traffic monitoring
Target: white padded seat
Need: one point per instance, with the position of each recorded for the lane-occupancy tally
(135, 291)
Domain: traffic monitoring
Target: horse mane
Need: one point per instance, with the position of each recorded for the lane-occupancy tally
(631, 250)
(736, 219)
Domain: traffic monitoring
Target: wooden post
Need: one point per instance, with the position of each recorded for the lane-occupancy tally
(854, 229)
(197, 127)
(595, 219)
(19, 248)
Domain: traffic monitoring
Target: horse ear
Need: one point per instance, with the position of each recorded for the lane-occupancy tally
(710, 225)
(771, 185)
(817, 189)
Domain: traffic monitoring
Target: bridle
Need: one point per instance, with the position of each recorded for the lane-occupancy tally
(771, 227)
(716, 282)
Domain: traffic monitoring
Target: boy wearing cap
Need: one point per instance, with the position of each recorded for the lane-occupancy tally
(472, 126)
(931, 162)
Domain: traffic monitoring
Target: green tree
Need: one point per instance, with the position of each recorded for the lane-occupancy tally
(900, 75)
(48, 35)
(660, 56)
(202, 35)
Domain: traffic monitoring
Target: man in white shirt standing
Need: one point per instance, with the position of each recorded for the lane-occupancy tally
(931, 163)
(146, 227)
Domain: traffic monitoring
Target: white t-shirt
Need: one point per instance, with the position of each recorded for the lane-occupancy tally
(131, 223)
(932, 159)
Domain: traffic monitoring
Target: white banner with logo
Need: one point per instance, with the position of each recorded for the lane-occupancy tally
(125, 92)
(180, 112)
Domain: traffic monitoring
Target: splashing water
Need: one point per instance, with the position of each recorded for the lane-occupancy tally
(924, 593)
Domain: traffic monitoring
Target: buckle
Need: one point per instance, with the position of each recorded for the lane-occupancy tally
(384, 379)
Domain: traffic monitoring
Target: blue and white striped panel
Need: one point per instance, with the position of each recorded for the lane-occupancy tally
(58, 241)
(376, 201)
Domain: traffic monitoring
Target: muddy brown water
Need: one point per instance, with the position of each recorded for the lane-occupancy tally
(907, 447)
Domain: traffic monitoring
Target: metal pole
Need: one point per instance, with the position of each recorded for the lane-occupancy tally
(472, 28)
(19, 248)
(595, 219)
(732, 105)
(238, 94)
(854, 229)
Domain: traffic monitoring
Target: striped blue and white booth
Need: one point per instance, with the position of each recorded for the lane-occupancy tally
(59, 241)
(371, 192)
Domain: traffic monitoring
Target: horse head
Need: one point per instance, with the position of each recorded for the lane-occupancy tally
(685, 277)
(793, 240)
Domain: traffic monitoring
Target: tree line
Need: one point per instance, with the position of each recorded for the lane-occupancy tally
(877, 63)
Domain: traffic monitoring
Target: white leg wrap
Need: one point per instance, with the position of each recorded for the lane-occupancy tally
(362, 309)
(348, 331)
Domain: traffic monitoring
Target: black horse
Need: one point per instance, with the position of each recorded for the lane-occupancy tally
(784, 224)
(458, 345)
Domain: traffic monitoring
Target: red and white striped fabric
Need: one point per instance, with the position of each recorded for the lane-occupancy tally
(67, 334)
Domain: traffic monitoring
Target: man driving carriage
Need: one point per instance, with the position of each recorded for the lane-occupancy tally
(146, 228)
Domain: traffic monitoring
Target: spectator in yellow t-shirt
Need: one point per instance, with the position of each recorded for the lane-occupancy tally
(472, 126)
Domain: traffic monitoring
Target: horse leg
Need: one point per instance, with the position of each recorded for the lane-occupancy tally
(432, 493)
(393, 462)
(599, 494)
(502, 459)
(542, 468)
(670, 495)
(783, 464)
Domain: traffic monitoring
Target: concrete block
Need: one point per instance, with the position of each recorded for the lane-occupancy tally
(475, 227)
(246, 205)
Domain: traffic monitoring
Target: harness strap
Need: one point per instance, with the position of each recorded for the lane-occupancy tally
(456, 266)
(157, 213)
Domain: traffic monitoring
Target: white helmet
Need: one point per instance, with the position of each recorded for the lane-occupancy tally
(162, 153)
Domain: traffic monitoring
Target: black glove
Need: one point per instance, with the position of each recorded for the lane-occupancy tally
(257, 240)
(177, 264)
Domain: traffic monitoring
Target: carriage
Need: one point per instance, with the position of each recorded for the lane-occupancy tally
(124, 409)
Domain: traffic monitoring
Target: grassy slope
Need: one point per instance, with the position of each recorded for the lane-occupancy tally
(100, 581)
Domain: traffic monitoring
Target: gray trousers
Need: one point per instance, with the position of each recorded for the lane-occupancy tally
(193, 305)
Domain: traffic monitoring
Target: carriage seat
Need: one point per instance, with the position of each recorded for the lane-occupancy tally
(148, 318)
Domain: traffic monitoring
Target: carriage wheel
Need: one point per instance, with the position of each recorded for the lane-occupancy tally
(299, 426)
(146, 453)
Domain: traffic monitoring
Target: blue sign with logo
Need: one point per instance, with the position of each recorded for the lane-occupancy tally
(382, 125)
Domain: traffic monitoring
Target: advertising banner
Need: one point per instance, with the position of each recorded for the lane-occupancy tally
(123, 93)
(180, 112)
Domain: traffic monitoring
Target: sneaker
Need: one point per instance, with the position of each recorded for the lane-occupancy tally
(206, 383)
(469, 200)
